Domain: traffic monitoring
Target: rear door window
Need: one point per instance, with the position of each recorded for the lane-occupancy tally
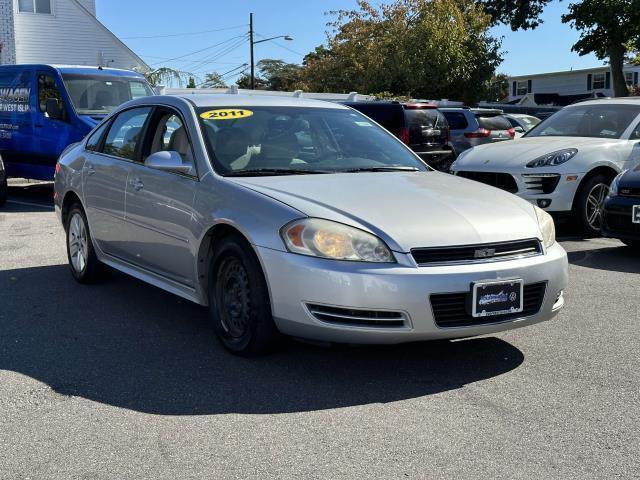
(495, 122)
(457, 120)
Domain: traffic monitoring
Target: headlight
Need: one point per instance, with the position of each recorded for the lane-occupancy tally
(323, 238)
(547, 227)
(615, 185)
(554, 158)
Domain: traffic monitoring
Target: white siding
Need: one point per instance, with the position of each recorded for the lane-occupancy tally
(565, 83)
(71, 35)
(90, 5)
(7, 33)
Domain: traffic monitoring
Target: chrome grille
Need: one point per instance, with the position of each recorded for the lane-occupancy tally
(486, 252)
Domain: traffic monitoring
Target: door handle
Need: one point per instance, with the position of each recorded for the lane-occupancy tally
(89, 168)
(137, 184)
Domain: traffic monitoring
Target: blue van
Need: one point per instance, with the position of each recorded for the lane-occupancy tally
(45, 108)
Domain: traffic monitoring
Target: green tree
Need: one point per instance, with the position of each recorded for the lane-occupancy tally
(611, 30)
(191, 83)
(164, 76)
(214, 80)
(608, 28)
(497, 88)
(418, 48)
(280, 75)
(244, 81)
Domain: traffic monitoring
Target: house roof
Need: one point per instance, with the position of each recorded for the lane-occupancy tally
(110, 33)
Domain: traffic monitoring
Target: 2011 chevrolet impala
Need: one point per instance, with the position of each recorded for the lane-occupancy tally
(292, 216)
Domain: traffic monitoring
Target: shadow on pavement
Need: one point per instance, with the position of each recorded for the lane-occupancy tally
(130, 345)
(614, 259)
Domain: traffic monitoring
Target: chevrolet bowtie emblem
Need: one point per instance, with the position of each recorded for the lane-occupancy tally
(484, 253)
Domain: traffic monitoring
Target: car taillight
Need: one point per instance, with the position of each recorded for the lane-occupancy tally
(404, 135)
(480, 133)
(57, 167)
(511, 132)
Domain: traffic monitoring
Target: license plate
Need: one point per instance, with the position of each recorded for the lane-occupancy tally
(636, 214)
(500, 297)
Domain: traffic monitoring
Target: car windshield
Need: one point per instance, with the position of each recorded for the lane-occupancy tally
(100, 94)
(247, 141)
(597, 121)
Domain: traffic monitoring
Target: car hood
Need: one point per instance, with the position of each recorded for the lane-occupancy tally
(407, 210)
(523, 150)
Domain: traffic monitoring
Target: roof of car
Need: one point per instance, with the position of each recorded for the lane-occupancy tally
(258, 100)
(79, 69)
(609, 101)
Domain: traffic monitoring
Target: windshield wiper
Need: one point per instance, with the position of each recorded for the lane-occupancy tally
(275, 171)
(381, 169)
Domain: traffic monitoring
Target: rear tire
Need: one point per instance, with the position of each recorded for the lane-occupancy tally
(589, 204)
(83, 263)
(4, 192)
(239, 304)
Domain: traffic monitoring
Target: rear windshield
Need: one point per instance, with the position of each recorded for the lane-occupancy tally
(456, 120)
(252, 141)
(598, 121)
(494, 122)
(389, 115)
(425, 117)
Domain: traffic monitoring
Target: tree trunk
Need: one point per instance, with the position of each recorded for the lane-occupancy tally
(616, 59)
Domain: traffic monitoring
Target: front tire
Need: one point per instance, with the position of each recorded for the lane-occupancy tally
(4, 192)
(239, 304)
(589, 204)
(83, 263)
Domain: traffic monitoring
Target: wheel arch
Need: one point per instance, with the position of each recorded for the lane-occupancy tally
(605, 170)
(212, 236)
(70, 199)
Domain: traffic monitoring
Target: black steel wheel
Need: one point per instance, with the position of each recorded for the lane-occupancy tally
(239, 304)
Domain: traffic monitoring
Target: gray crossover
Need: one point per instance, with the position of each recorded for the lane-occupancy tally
(287, 216)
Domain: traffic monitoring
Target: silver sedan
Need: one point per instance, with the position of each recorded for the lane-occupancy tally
(288, 216)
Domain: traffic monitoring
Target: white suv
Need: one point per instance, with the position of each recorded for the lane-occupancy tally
(566, 163)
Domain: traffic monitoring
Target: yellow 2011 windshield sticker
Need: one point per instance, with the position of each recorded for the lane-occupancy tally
(226, 114)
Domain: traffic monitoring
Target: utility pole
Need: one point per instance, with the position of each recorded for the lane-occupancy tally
(252, 81)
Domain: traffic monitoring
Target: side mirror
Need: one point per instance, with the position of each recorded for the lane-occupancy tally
(53, 110)
(518, 129)
(168, 161)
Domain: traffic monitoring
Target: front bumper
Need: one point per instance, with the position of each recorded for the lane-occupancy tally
(617, 218)
(557, 189)
(297, 281)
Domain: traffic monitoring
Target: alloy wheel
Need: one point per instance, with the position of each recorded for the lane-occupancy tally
(595, 205)
(78, 243)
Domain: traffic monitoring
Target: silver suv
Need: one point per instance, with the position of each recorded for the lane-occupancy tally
(471, 127)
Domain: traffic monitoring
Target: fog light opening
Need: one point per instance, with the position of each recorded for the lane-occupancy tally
(544, 202)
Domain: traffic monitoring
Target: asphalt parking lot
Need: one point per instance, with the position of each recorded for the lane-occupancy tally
(123, 380)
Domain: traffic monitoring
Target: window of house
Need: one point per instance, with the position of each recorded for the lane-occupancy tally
(599, 80)
(34, 6)
(628, 78)
(522, 87)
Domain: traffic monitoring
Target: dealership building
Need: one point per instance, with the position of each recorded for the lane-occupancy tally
(60, 32)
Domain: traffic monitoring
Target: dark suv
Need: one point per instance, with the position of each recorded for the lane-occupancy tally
(420, 125)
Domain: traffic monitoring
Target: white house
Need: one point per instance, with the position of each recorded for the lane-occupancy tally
(592, 81)
(60, 32)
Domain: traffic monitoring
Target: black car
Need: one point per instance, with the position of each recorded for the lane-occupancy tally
(420, 125)
(621, 214)
(3, 185)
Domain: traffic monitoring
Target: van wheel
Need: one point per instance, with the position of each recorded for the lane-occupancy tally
(85, 266)
(239, 304)
(589, 204)
(4, 192)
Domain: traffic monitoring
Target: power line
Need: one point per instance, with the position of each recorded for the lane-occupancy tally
(220, 54)
(186, 34)
(201, 50)
(283, 46)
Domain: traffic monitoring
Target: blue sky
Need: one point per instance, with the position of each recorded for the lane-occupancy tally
(545, 49)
